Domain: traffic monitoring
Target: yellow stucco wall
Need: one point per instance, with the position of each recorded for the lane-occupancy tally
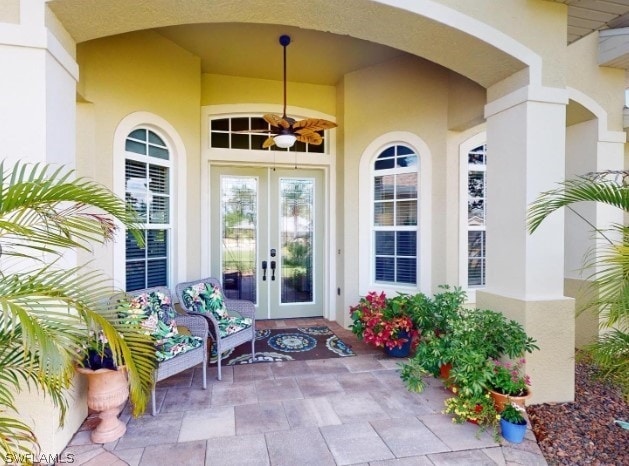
(134, 72)
(404, 94)
(220, 89)
(10, 11)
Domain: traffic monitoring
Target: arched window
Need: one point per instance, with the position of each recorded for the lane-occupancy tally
(148, 190)
(395, 173)
(476, 209)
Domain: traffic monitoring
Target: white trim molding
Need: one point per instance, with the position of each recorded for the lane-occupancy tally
(178, 157)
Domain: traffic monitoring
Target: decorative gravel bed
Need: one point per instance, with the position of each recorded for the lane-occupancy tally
(583, 432)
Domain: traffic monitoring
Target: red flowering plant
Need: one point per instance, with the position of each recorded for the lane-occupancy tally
(383, 322)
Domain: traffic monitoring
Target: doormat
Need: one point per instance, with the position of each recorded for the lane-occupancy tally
(288, 344)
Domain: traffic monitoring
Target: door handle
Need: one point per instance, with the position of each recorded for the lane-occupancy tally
(273, 266)
(264, 270)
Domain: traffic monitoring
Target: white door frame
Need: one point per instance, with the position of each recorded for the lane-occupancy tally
(262, 158)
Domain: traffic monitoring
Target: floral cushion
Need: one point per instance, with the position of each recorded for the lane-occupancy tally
(232, 324)
(160, 323)
(204, 298)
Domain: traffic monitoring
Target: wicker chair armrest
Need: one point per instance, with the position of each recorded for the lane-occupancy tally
(196, 324)
(243, 307)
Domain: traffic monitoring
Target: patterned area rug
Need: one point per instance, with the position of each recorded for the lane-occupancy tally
(288, 344)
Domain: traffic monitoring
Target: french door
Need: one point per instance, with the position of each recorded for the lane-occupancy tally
(267, 238)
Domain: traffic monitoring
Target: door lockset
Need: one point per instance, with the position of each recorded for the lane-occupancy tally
(273, 266)
(264, 270)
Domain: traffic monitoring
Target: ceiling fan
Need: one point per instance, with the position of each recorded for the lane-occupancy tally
(287, 130)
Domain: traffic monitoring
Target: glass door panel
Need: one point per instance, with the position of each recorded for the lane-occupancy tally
(239, 221)
(296, 233)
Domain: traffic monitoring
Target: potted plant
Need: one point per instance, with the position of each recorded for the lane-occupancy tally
(384, 323)
(108, 387)
(508, 383)
(48, 306)
(512, 423)
(477, 409)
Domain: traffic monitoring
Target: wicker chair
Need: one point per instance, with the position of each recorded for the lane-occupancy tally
(244, 308)
(182, 361)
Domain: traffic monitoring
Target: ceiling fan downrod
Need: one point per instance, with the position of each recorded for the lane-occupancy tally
(284, 41)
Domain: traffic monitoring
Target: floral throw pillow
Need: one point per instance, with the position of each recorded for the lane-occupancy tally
(160, 323)
(204, 298)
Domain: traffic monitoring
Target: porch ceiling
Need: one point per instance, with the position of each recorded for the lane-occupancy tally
(240, 38)
(587, 16)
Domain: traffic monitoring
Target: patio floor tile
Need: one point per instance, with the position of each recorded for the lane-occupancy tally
(408, 461)
(327, 366)
(361, 364)
(252, 372)
(310, 412)
(355, 443)
(360, 382)
(182, 379)
(236, 451)
(105, 459)
(356, 408)
(517, 456)
(151, 430)
(290, 369)
(131, 456)
(181, 454)
(457, 458)
(277, 390)
(208, 423)
(303, 446)
(186, 399)
(319, 385)
(457, 436)
(408, 437)
(402, 403)
(231, 394)
(260, 418)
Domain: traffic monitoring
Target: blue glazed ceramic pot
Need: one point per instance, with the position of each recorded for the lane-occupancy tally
(513, 432)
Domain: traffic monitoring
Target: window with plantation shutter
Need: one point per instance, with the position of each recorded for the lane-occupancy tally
(476, 209)
(395, 216)
(148, 191)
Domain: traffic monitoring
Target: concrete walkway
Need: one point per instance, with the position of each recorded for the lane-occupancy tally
(339, 411)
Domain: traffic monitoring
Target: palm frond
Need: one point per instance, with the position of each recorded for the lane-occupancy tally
(607, 191)
(40, 208)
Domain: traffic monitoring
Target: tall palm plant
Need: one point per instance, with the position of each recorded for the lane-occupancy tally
(610, 282)
(47, 310)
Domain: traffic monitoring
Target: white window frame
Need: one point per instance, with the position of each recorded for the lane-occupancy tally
(424, 218)
(177, 170)
(464, 150)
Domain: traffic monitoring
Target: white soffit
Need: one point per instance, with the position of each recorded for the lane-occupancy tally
(587, 16)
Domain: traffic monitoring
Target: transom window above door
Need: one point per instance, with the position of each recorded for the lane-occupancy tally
(232, 133)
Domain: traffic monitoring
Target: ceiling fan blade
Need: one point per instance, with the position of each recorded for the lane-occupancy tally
(310, 138)
(275, 120)
(254, 131)
(311, 125)
(268, 142)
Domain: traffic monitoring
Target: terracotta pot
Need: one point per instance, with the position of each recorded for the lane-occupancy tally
(501, 400)
(107, 391)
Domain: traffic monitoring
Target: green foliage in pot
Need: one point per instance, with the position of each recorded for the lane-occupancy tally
(47, 309)
(473, 338)
(477, 409)
(434, 315)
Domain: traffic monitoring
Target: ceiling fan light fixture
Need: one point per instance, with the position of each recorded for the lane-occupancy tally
(284, 141)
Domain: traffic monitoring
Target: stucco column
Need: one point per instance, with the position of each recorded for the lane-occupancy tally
(37, 85)
(38, 124)
(525, 273)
